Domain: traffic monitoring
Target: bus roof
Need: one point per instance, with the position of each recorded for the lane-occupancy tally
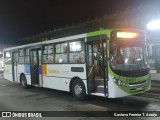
(89, 34)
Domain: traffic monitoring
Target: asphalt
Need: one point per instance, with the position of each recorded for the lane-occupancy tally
(14, 98)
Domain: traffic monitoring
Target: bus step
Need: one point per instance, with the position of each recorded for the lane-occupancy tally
(98, 94)
(35, 85)
(99, 82)
(100, 89)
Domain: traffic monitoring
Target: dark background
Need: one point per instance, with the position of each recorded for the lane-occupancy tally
(23, 18)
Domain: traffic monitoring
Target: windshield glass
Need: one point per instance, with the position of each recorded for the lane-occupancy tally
(128, 56)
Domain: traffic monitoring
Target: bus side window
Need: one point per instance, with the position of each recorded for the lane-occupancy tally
(27, 56)
(76, 52)
(21, 56)
(48, 54)
(7, 58)
(61, 53)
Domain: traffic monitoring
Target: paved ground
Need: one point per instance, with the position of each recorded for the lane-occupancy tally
(14, 98)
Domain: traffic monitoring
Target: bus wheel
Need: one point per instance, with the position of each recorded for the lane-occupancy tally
(23, 81)
(78, 89)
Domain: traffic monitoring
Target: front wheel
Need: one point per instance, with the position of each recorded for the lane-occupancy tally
(23, 81)
(78, 89)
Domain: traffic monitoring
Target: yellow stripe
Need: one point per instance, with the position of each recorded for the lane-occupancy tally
(44, 69)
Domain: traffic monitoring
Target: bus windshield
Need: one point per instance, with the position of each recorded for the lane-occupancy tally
(128, 56)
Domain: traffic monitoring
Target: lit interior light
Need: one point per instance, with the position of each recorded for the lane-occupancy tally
(75, 46)
(8, 55)
(154, 25)
(126, 35)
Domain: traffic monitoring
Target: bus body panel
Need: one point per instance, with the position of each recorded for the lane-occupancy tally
(15, 73)
(58, 76)
(8, 72)
(20, 70)
(56, 83)
(69, 38)
(27, 73)
(64, 70)
(116, 90)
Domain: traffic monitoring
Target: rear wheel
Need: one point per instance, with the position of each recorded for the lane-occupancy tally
(78, 89)
(23, 81)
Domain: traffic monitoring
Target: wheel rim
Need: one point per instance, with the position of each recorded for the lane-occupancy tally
(78, 90)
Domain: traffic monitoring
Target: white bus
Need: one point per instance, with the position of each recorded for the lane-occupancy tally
(109, 63)
(1, 61)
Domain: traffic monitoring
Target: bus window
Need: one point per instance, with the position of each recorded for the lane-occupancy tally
(63, 48)
(61, 55)
(21, 56)
(34, 58)
(116, 57)
(128, 56)
(76, 52)
(27, 56)
(7, 59)
(39, 54)
(48, 54)
(90, 62)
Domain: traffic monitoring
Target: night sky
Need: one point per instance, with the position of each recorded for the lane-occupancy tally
(23, 18)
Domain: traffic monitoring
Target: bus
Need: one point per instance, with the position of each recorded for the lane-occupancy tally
(1, 61)
(111, 63)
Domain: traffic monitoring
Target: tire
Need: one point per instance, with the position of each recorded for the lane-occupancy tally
(23, 81)
(78, 90)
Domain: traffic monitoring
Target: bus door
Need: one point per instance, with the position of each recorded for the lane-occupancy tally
(40, 69)
(14, 65)
(96, 66)
(34, 66)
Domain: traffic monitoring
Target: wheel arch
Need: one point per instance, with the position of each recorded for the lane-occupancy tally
(72, 80)
(21, 76)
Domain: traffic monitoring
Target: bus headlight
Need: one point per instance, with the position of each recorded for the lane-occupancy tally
(119, 82)
(115, 80)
